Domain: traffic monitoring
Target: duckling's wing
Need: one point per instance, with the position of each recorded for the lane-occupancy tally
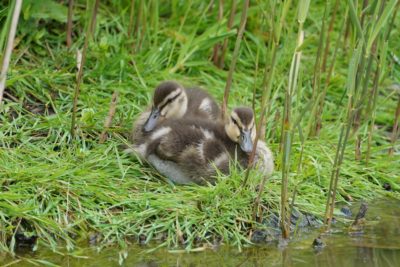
(201, 104)
(169, 169)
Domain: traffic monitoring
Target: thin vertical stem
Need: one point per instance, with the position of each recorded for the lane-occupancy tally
(253, 102)
(218, 45)
(89, 33)
(269, 74)
(395, 131)
(317, 64)
(225, 45)
(330, 29)
(9, 47)
(259, 195)
(69, 22)
(287, 120)
(137, 26)
(321, 101)
(111, 113)
(131, 14)
(143, 29)
(372, 107)
(234, 57)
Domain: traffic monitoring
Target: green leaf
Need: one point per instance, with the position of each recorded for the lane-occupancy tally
(45, 9)
(381, 22)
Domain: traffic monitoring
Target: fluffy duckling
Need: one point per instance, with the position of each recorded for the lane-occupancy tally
(172, 101)
(192, 151)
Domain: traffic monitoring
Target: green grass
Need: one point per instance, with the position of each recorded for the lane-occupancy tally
(64, 190)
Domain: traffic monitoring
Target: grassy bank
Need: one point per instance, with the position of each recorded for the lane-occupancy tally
(63, 189)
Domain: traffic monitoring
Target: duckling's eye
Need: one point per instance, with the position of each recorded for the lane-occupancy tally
(172, 99)
(235, 122)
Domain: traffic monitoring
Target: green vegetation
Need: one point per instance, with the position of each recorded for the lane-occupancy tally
(69, 189)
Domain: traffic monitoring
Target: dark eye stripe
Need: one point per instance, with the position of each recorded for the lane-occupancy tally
(235, 122)
(169, 101)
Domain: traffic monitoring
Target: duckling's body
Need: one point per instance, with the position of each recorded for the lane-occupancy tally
(173, 101)
(191, 151)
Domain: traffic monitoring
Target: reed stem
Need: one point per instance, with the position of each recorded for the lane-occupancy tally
(395, 131)
(69, 22)
(89, 33)
(228, 85)
(109, 119)
(330, 29)
(217, 46)
(9, 47)
(225, 45)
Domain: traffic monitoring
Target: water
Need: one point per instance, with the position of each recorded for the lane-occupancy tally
(376, 243)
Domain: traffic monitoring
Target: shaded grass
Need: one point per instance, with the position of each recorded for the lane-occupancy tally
(62, 190)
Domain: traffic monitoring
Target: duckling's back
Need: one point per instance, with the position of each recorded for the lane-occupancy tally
(201, 105)
(193, 146)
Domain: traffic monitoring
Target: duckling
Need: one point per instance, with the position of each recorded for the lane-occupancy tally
(192, 151)
(172, 101)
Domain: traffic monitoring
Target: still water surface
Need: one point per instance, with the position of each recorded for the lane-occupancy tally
(377, 243)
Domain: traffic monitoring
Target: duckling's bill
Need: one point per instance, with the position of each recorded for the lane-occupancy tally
(245, 141)
(152, 120)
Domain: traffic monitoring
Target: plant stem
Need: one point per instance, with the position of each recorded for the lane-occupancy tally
(89, 33)
(395, 131)
(267, 82)
(234, 57)
(218, 45)
(321, 101)
(131, 14)
(10, 44)
(374, 96)
(69, 22)
(225, 45)
(330, 29)
(111, 113)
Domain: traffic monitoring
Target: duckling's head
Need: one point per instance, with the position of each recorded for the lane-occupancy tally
(169, 101)
(240, 128)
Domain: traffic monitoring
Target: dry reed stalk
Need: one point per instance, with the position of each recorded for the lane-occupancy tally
(287, 119)
(269, 74)
(131, 14)
(143, 28)
(9, 47)
(316, 82)
(136, 33)
(321, 100)
(372, 106)
(258, 198)
(218, 45)
(69, 22)
(109, 119)
(89, 34)
(228, 85)
(327, 41)
(225, 45)
(395, 131)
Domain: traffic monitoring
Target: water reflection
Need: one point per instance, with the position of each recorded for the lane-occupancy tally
(376, 244)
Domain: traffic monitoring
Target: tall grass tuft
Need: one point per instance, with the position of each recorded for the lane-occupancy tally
(287, 118)
(277, 21)
(369, 39)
